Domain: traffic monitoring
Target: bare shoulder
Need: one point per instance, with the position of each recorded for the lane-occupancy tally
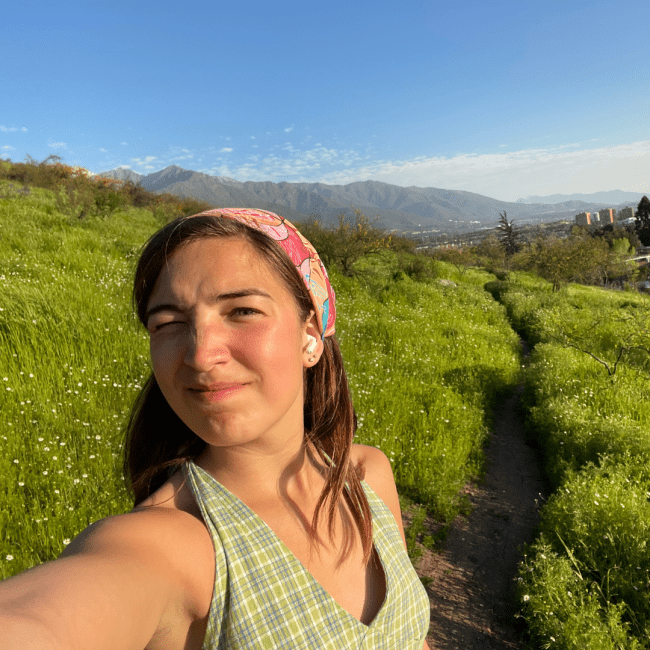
(166, 538)
(378, 474)
(375, 464)
(153, 529)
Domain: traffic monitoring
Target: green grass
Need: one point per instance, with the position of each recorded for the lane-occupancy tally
(72, 360)
(586, 580)
(426, 363)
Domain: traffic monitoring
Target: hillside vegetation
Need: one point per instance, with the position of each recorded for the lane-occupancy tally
(430, 346)
(585, 582)
(427, 354)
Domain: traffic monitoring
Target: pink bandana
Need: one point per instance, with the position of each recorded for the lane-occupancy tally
(299, 250)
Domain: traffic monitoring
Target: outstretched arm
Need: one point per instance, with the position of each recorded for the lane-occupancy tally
(113, 588)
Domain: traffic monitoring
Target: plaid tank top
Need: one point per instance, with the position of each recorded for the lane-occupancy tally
(265, 598)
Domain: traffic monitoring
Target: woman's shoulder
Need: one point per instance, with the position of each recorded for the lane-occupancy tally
(374, 465)
(144, 578)
(168, 538)
(378, 474)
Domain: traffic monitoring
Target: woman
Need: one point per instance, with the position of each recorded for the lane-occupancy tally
(258, 524)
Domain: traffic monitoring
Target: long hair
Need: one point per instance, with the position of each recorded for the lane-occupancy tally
(158, 442)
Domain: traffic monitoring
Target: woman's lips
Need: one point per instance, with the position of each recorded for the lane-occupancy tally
(216, 392)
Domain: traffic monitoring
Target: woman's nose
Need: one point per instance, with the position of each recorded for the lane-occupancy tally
(207, 346)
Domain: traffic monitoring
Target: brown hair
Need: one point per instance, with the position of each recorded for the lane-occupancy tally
(329, 418)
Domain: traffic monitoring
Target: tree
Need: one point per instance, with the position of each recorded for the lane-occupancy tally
(576, 259)
(591, 334)
(611, 232)
(490, 252)
(642, 216)
(508, 235)
(353, 238)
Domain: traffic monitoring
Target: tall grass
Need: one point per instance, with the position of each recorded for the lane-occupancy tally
(426, 364)
(425, 360)
(586, 580)
(72, 359)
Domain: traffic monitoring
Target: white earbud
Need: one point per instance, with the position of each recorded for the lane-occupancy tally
(311, 345)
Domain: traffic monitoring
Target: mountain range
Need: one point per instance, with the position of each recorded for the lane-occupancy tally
(407, 209)
(609, 197)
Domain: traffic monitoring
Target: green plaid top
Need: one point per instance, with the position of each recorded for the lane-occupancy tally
(265, 598)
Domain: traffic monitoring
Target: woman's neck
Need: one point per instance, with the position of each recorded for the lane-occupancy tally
(290, 471)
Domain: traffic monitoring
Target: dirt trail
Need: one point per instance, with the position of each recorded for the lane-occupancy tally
(473, 580)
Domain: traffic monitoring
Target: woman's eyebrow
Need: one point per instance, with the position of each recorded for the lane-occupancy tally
(219, 297)
(240, 293)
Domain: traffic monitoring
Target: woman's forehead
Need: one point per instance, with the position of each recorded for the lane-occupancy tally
(217, 264)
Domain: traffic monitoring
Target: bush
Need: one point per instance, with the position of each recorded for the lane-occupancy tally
(597, 527)
(80, 194)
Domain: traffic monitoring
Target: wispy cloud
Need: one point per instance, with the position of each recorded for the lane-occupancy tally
(179, 154)
(11, 129)
(503, 174)
(516, 174)
(290, 163)
(103, 150)
(124, 143)
(289, 129)
(7, 147)
(57, 145)
(147, 160)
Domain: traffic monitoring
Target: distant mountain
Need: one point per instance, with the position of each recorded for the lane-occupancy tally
(611, 197)
(399, 208)
(122, 174)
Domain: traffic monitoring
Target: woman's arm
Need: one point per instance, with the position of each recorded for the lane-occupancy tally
(122, 580)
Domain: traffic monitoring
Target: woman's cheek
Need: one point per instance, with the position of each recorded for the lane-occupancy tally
(277, 350)
(164, 355)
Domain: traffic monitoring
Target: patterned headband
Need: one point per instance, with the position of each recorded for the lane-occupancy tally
(299, 250)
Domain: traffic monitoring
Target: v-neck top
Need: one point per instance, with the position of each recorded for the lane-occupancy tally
(264, 597)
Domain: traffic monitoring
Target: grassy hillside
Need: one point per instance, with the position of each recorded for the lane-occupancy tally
(425, 359)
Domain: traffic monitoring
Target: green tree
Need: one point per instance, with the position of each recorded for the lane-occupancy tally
(575, 259)
(490, 252)
(642, 216)
(611, 232)
(508, 235)
(615, 335)
(353, 238)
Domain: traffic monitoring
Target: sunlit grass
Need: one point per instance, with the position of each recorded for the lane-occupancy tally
(426, 362)
(585, 582)
(72, 360)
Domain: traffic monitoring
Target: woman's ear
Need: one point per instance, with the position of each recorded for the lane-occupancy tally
(312, 342)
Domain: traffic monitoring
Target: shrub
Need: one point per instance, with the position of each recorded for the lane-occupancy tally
(563, 610)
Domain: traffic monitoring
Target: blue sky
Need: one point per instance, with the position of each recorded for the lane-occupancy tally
(503, 98)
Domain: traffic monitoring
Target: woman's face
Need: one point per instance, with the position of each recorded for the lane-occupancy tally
(228, 345)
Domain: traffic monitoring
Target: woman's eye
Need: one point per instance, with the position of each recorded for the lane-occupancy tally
(245, 311)
(156, 327)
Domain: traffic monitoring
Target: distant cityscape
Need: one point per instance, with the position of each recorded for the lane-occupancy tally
(605, 216)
